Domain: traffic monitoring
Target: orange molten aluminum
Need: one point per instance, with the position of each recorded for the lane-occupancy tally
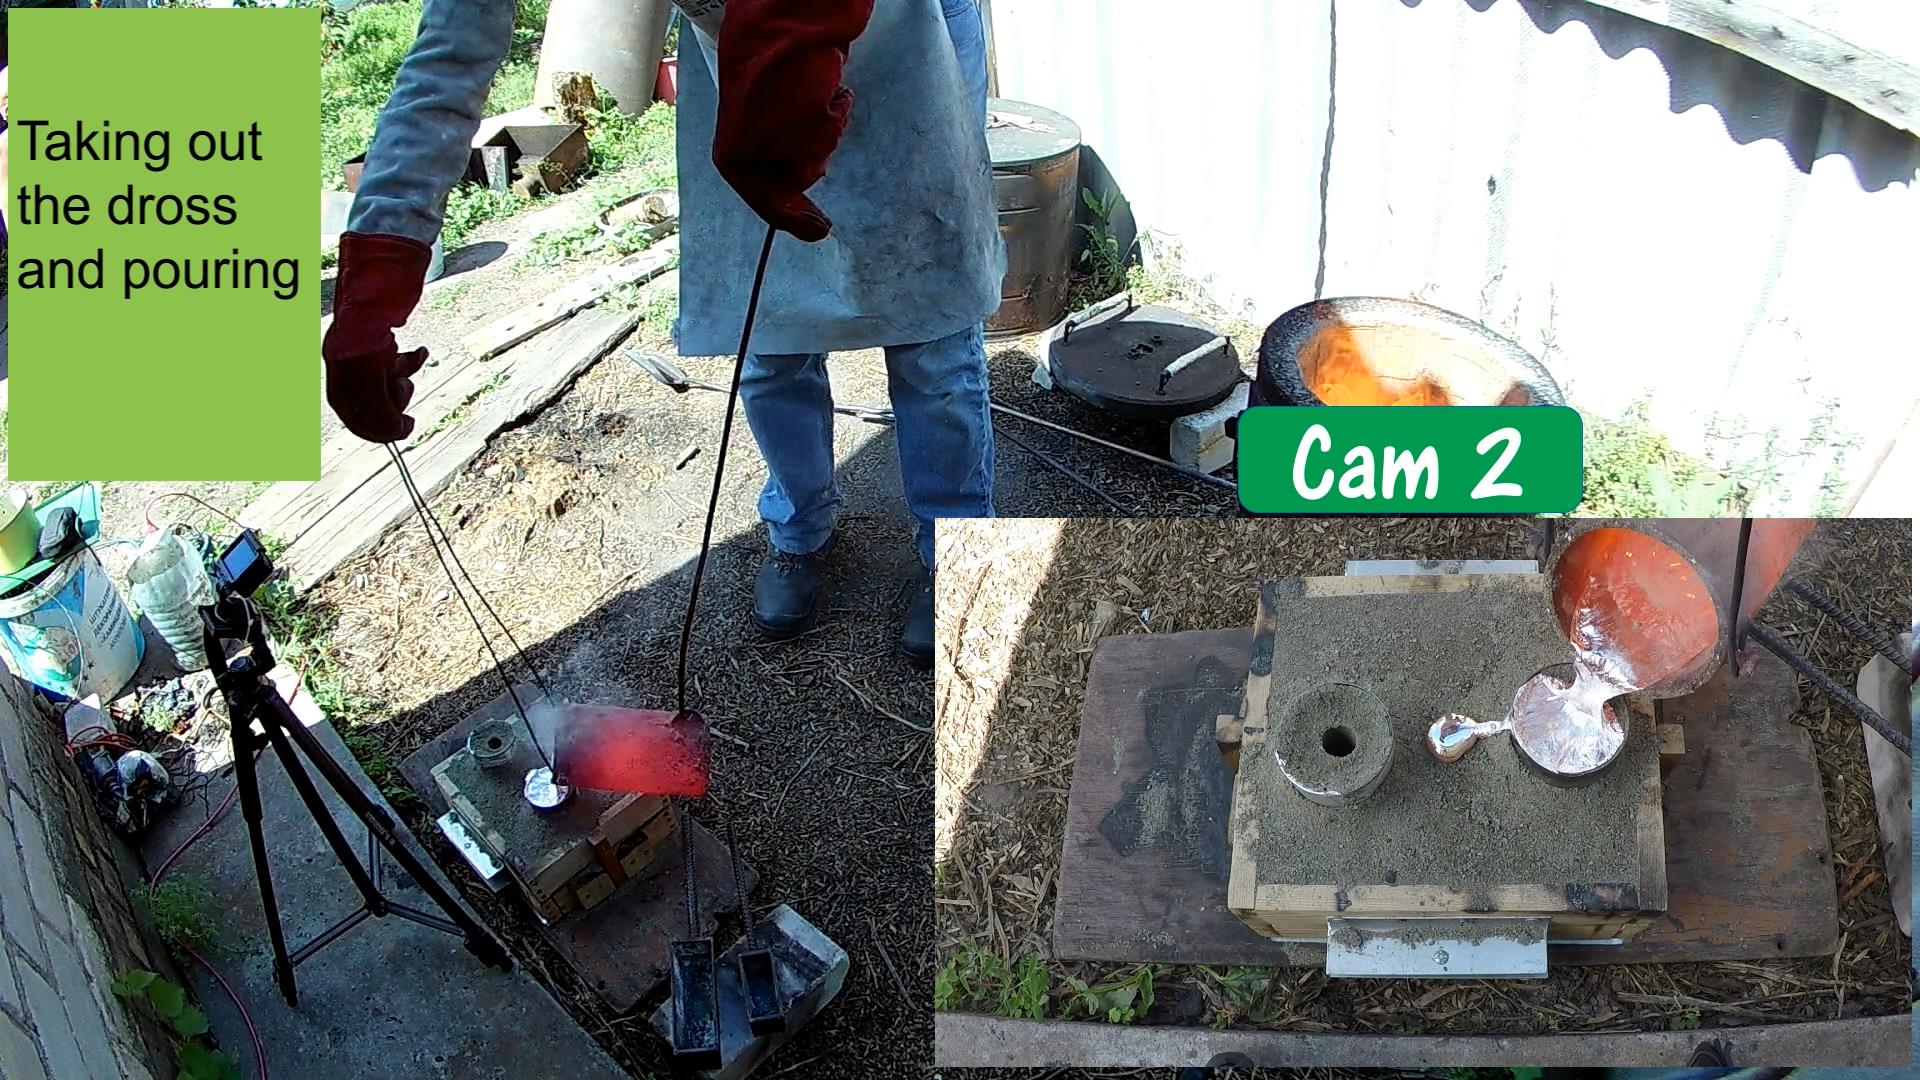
(1646, 606)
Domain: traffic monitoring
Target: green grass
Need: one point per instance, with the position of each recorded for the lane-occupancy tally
(361, 53)
(1634, 471)
(180, 911)
(974, 978)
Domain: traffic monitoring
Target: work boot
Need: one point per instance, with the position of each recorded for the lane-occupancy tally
(786, 595)
(916, 636)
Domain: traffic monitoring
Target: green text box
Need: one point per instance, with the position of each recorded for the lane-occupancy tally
(1441, 459)
(132, 380)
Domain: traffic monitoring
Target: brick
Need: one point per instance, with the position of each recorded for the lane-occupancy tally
(1200, 441)
(13, 744)
(9, 989)
(19, 1054)
(95, 1020)
(16, 903)
(50, 1020)
(131, 1067)
(36, 856)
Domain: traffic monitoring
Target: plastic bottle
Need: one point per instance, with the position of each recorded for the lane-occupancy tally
(170, 584)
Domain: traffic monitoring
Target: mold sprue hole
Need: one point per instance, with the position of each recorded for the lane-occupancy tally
(495, 742)
(1337, 741)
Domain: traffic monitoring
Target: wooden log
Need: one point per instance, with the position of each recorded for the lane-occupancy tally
(517, 326)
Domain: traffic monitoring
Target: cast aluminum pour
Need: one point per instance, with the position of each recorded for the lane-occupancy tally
(1565, 728)
(541, 792)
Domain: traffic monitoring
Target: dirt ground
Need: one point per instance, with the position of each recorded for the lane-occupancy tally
(1033, 597)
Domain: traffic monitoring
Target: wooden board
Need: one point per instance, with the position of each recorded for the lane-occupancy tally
(618, 946)
(522, 323)
(346, 511)
(1745, 827)
(454, 392)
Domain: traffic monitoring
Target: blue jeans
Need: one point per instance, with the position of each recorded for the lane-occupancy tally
(942, 421)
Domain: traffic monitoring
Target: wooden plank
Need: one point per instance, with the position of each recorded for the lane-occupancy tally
(1150, 699)
(1864, 52)
(540, 372)
(288, 509)
(1743, 823)
(1888, 690)
(517, 326)
(285, 511)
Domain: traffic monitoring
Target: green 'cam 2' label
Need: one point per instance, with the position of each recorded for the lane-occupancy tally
(1397, 459)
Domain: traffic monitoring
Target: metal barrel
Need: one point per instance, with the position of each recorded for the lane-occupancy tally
(1036, 179)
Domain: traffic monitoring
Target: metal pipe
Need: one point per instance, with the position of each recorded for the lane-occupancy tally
(1186, 360)
(1777, 645)
(1848, 622)
(1059, 467)
(1183, 470)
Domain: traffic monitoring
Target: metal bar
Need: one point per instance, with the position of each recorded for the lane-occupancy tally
(1777, 645)
(1059, 467)
(1186, 359)
(330, 935)
(1093, 311)
(1848, 622)
(424, 918)
(1183, 470)
(1437, 948)
(1735, 631)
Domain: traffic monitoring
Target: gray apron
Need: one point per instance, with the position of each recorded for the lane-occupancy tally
(915, 253)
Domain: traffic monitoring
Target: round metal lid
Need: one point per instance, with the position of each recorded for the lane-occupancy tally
(1019, 133)
(1116, 363)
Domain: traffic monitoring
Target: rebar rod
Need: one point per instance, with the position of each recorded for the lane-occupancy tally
(1777, 645)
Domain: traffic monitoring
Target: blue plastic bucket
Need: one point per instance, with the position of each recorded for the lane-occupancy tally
(70, 633)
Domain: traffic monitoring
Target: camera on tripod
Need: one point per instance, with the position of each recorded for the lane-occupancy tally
(252, 699)
(244, 566)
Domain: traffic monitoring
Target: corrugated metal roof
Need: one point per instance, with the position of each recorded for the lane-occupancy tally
(1656, 217)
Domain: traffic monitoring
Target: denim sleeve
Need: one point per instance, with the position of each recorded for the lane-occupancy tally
(422, 144)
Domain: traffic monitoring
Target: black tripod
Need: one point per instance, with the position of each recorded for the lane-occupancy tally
(252, 698)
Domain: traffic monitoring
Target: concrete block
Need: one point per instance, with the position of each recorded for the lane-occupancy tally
(16, 902)
(36, 857)
(1200, 440)
(50, 1021)
(19, 1053)
(810, 969)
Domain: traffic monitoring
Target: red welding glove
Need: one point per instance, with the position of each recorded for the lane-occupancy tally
(369, 380)
(782, 108)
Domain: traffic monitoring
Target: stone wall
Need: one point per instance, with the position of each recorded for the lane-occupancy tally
(67, 927)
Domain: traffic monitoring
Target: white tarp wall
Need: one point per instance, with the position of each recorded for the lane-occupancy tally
(1653, 215)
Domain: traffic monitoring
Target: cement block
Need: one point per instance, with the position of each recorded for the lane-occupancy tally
(19, 1053)
(810, 969)
(1200, 441)
(36, 858)
(55, 1031)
